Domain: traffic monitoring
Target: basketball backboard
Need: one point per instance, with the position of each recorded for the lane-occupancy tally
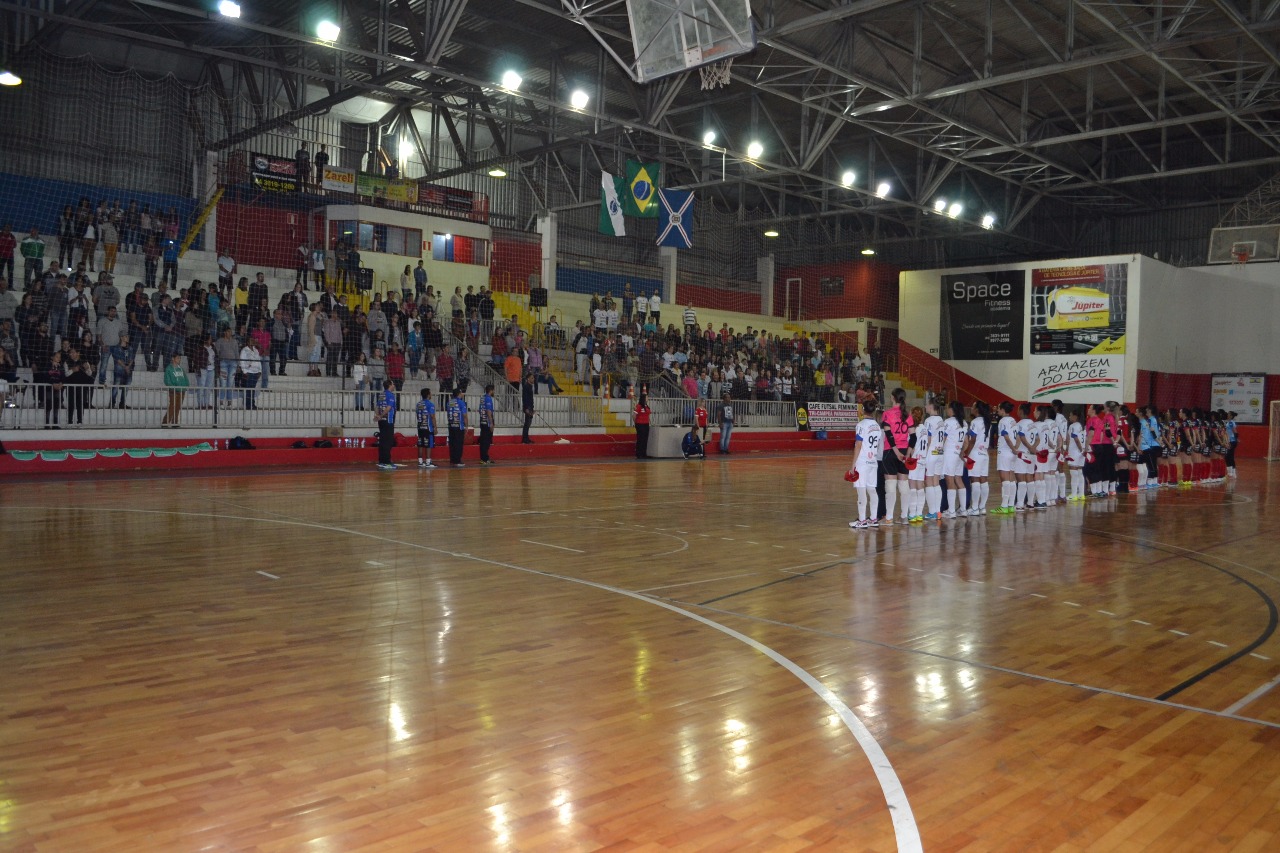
(670, 36)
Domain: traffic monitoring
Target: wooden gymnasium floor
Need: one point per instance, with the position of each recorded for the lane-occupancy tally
(667, 656)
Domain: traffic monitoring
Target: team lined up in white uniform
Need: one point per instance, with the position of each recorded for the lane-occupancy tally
(1040, 460)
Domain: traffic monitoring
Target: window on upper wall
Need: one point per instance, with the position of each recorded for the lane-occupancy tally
(457, 249)
(377, 237)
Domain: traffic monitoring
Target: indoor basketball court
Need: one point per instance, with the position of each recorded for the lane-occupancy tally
(673, 655)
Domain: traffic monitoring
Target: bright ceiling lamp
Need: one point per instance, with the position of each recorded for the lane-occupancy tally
(988, 221)
(754, 150)
(8, 78)
(579, 99)
(328, 31)
(228, 9)
(771, 233)
(882, 189)
(940, 205)
(708, 137)
(848, 178)
(511, 81)
(497, 172)
(406, 149)
(955, 209)
(868, 251)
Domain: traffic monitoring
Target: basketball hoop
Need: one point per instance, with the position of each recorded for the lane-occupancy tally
(716, 74)
(1240, 253)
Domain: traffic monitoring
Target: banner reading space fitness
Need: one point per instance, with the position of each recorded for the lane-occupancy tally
(830, 416)
(1242, 393)
(1080, 309)
(982, 315)
(274, 174)
(1077, 378)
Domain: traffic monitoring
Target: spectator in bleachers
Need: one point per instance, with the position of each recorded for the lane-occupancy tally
(130, 229)
(261, 337)
(32, 249)
(321, 163)
(8, 243)
(250, 369)
(89, 242)
(169, 259)
(203, 366)
(109, 234)
(278, 349)
(360, 379)
(462, 370)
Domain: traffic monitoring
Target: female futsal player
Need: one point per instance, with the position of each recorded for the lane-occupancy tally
(867, 445)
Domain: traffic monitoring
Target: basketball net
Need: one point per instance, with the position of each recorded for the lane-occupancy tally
(716, 74)
(1239, 254)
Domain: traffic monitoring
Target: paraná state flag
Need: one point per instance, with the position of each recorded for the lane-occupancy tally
(611, 221)
(675, 225)
(640, 196)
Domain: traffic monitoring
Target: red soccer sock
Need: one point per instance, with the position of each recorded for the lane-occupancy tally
(1133, 478)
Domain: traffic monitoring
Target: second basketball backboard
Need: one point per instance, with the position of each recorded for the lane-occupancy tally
(670, 36)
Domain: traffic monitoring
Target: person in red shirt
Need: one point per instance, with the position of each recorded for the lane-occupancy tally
(700, 415)
(8, 243)
(642, 414)
(395, 370)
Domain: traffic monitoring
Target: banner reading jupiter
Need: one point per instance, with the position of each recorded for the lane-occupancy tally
(1077, 332)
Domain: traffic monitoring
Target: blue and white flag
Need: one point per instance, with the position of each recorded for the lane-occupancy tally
(675, 219)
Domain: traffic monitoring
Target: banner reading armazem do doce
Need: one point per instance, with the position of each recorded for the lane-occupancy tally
(1077, 378)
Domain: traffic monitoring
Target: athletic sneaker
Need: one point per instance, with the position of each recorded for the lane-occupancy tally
(887, 522)
(429, 464)
(875, 522)
(382, 467)
(857, 525)
(916, 519)
(1000, 510)
(486, 461)
(930, 516)
(422, 463)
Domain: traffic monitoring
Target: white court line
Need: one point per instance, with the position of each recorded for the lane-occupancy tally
(268, 575)
(1038, 595)
(905, 830)
(1072, 604)
(1235, 707)
(1216, 643)
(1179, 633)
(692, 583)
(1008, 589)
(1106, 613)
(375, 563)
(1258, 656)
(1140, 622)
(549, 545)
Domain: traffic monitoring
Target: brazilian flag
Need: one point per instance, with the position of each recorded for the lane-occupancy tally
(640, 195)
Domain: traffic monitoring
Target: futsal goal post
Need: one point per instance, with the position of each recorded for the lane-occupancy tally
(1273, 445)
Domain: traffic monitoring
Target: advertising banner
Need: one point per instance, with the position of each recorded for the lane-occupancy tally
(338, 180)
(1078, 310)
(1242, 393)
(982, 315)
(829, 416)
(1077, 378)
(274, 174)
(392, 189)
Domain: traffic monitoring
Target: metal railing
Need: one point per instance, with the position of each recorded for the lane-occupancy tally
(35, 406)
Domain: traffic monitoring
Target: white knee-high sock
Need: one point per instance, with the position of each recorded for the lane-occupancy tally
(933, 496)
(904, 497)
(1037, 491)
(963, 496)
(890, 497)
(873, 504)
(1142, 477)
(1077, 482)
(1062, 484)
(862, 503)
(984, 490)
(951, 500)
(1022, 493)
(1008, 492)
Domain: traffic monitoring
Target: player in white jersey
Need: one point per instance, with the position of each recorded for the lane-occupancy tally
(868, 445)
(1007, 457)
(954, 430)
(1046, 458)
(977, 457)
(1028, 437)
(933, 462)
(918, 451)
(1075, 455)
(1061, 476)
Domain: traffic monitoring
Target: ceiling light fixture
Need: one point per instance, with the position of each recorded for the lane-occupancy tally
(955, 209)
(497, 172)
(848, 178)
(8, 78)
(754, 150)
(511, 81)
(328, 31)
(771, 233)
(988, 221)
(868, 251)
(882, 189)
(228, 9)
(579, 99)
(708, 137)
(940, 205)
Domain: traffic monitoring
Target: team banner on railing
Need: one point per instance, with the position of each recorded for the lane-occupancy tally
(828, 416)
(982, 316)
(1242, 393)
(338, 180)
(274, 174)
(392, 189)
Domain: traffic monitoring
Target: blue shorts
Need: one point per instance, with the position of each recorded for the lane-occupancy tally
(426, 438)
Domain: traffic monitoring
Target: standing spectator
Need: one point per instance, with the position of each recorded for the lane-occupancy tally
(89, 242)
(175, 379)
(110, 330)
(318, 266)
(395, 369)
(457, 413)
(53, 377)
(150, 260)
(8, 301)
(655, 309)
(641, 419)
(67, 237)
(444, 371)
(147, 225)
(690, 320)
(486, 425)
(419, 279)
(462, 370)
(302, 161)
(8, 243)
(406, 282)
(312, 338)
(226, 268)
(303, 261)
(353, 266)
(322, 163)
(278, 348)
(105, 294)
(110, 236)
(56, 301)
(228, 351)
(32, 248)
(527, 404)
(204, 367)
(250, 370)
(360, 379)
(166, 330)
(261, 337)
(513, 367)
(331, 333)
(257, 290)
(79, 381)
(414, 348)
(628, 302)
(456, 302)
(122, 359)
(386, 409)
(726, 421)
(130, 227)
(170, 258)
